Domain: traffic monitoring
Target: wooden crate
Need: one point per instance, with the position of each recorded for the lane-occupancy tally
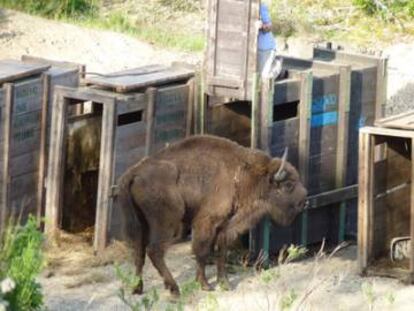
(312, 113)
(385, 198)
(25, 99)
(231, 54)
(130, 115)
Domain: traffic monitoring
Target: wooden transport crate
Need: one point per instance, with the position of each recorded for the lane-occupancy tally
(316, 111)
(100, 130)
(386, 204)
(25, 102)
(231, 54)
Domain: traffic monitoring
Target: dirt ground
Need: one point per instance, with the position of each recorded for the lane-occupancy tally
(77, 280)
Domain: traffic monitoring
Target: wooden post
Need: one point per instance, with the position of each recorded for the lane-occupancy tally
(266, 120)
(7, 118)
(43, 148)
(412, 215)
(254, 135)
(254, 138)
(191, 103)
(106, 176)
(55, 169)
(203, 100)
(365, 197)
(305, 113)
(150, 113)
(342, 140)
(381, 96)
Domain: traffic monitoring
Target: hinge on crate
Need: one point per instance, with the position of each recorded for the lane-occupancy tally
(114, 191)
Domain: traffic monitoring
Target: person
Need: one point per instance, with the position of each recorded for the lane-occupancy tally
(266, 43)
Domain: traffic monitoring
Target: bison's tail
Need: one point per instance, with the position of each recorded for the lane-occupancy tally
(134, 225)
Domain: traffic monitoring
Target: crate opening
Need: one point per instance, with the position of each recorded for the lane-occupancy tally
(81, 172)
(392, 204)
(285, 111)
(231, 120)
(130, 117)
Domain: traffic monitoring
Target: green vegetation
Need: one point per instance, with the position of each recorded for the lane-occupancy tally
(53, 8)
(360, 22)
(178, 24)
(160, 22)
(21, 260)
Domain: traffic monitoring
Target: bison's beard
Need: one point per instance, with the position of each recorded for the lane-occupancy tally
(283, 217)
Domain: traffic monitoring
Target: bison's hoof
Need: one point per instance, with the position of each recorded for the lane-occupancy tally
(207, 287)
(174, 290)
(138, 290)
(223, 284)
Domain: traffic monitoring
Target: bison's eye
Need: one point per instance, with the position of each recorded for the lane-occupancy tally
(288, 186)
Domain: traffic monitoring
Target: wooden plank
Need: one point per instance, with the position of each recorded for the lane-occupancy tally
(381, 87)
(133, 103)
(412, 215)
(387, 132)
(130, 136)
(55, 168)
(341, 56)
(12, 70)
(266, 119)
(305, 112)
(342, 140)
(7, 144)
(43, 147)
(29, 59)
(255, 116)
(150, 113)
(192, 98)
(106, 176)
(333, 196)
(252, 38)
(138, 78)
(403, 121)
(365, 193)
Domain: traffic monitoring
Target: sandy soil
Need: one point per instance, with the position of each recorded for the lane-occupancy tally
(78, 280)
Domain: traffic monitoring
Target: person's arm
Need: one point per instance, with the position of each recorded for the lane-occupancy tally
(265, 18)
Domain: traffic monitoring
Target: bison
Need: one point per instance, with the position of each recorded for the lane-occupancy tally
(218, 187)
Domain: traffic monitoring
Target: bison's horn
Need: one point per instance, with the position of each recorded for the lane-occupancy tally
(281, 174)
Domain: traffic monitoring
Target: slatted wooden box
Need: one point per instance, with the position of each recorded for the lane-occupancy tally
(386, 204)
(312, 113)
(231, 54)
(25, 101)
(99, 131)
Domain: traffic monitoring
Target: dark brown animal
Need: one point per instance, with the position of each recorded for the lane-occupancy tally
(219, 187)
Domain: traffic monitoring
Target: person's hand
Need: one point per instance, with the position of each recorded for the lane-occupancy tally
(259, 24)
(266, 27)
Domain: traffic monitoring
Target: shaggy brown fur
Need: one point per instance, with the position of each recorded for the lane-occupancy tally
(222, 189)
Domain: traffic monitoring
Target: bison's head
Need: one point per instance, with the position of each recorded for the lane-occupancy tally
(287, 195)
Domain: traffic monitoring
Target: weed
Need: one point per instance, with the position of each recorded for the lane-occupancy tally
(209, 303)
(21, 260)
(369, 294)
(286, 302)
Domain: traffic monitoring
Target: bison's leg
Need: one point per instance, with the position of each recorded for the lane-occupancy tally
(156, 254)
(140, 248)
(221, 261)
(203, 238)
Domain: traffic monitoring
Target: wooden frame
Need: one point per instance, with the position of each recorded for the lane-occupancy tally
(159, 106)
(25, 124)
(376, 225)
(231, 61)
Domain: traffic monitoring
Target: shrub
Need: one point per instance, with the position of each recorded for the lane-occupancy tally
(53, 8)
(21, 260)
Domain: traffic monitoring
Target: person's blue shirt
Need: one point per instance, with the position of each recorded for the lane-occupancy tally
(265, 41)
